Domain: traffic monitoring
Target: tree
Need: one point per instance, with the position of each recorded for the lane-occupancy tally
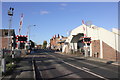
(44, 44)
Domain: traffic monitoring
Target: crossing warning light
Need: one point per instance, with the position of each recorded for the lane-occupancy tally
(22, 38)
(86, 39)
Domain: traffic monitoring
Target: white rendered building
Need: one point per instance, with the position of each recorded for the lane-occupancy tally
(104, 43)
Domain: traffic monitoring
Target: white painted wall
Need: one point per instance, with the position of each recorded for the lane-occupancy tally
(110, 38)
(98, 33)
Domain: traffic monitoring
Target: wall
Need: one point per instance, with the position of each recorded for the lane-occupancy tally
(54, 42)
(95, 48)
(109, 38)
(109, 53)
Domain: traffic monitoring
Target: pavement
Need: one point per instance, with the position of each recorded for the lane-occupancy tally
(92, 58)
(24, 70)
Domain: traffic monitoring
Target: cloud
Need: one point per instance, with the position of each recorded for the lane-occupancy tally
(44, 12)
(63, 4)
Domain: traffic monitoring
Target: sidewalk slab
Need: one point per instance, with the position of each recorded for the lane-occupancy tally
(23, 71)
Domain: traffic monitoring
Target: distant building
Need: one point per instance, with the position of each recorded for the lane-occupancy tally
(103, 43)
(56, 43)
(38, 46)
(4, 38)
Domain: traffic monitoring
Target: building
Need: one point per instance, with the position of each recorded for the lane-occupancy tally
(102, 43)
(56, 43)
(6, 39)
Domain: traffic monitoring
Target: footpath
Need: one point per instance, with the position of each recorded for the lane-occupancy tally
(91, 58)
(23, 70)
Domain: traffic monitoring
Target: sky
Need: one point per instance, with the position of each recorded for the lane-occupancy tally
(53, 18)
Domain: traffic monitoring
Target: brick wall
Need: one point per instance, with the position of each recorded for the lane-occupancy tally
(4, 41)
(96, 48)
(54, 42)
(118, 56)
(109, 53)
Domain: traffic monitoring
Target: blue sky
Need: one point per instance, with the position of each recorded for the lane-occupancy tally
(53, 18)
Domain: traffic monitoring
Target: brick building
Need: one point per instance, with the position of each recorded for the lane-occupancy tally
(103, 43)
(4, 38)
(56, 43)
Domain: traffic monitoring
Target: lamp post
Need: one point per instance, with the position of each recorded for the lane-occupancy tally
(29, 30)
(29, 34)
(10, 14)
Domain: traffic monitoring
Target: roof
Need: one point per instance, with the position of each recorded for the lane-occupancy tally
(4, 32)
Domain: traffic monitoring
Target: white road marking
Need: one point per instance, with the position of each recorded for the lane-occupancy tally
(93, 65)
(83, 69)
(86, 68)
(97, 66)
(71, 58)
(33, 67)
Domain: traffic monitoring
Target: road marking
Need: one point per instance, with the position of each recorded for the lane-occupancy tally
(33, 67)
(83, 69)
(71, 58)
(93, 65)
(97, 66)
(86, 68)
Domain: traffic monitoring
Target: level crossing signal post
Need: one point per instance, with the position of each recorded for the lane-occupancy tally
(22, 39)
(87, 42)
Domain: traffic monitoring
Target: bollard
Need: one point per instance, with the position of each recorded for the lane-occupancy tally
(3, 65)
(13, 56)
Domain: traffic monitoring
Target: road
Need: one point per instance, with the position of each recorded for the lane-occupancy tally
(54, 66)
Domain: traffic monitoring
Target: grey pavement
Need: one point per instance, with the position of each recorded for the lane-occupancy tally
(24, 70)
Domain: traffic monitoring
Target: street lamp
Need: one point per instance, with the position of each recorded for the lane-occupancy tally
(28, 33)
(10, 14)
(29, 29)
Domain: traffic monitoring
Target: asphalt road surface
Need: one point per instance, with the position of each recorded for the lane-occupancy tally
(54, 66)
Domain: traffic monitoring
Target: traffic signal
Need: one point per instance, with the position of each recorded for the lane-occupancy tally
(22, 38)
(87, 39)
